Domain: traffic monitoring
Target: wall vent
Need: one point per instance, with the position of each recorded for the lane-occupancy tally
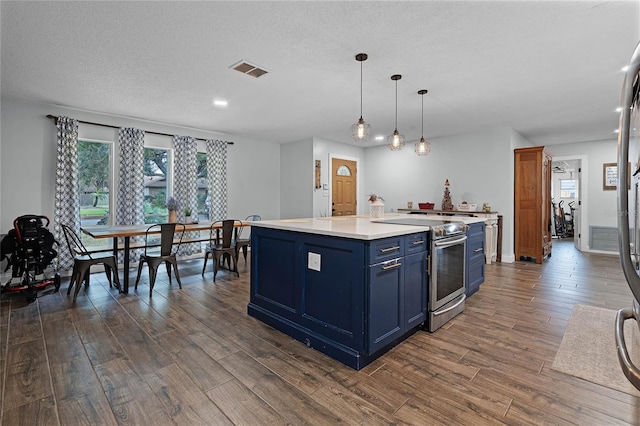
(249, 69)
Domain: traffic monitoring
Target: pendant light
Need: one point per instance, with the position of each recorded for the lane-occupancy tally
(361, 131)
(395, 142)
(423, 147)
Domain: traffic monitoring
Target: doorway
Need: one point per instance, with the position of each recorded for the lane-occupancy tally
(344, 186)
(569, 187)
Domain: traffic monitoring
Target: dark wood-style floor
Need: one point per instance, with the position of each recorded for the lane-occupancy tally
(193, 356)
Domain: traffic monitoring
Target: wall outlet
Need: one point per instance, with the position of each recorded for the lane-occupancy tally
(314, 261)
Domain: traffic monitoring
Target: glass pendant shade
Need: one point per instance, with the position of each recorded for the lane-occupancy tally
(395, 142)
(361, 131)
(423, 147)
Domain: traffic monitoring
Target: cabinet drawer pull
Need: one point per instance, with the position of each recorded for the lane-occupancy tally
(478, 250)
(386, 250)
(417, 243)
(387, 267)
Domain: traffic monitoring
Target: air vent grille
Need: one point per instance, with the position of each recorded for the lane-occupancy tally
(249, 69)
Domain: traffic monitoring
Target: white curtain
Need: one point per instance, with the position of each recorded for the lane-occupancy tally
(185, 186)
(130, 208)
(67, 201)
(217, 175)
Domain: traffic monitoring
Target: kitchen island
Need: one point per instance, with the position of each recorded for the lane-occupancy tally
(346, 286)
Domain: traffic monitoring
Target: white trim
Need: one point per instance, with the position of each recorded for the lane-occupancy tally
(583, 192)
(330, 179)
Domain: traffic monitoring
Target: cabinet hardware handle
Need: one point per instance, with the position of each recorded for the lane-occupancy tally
(417, 243)
(429, 265)
(478, 250)
(395, 265)
(386, 250)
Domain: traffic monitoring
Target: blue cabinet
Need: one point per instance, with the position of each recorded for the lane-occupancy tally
(475, 257)
(354, 300)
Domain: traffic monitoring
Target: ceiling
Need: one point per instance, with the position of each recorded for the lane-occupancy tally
(549, 70)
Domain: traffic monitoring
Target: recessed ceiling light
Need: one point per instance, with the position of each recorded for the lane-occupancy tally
(619, 109)
(220, 102)
(616, 131)
(379, 138)
(624, 69)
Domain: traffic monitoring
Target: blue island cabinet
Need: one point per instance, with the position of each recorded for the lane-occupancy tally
(348, 298)
(475, 258)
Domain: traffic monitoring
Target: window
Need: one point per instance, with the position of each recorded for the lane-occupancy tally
(343, 171)
(568, 188)
(94, 184)
(203, 186)
(156, 184)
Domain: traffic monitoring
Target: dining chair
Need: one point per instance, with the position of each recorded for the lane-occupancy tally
(166, 254)
(243, 243)
(83, 261)
(221, 248)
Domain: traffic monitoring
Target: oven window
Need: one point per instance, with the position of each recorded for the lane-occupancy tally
(450, 270)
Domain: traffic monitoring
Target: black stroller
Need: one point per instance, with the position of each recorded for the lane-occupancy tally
(28, 248)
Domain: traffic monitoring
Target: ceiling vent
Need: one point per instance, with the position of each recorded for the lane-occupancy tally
(249, 69)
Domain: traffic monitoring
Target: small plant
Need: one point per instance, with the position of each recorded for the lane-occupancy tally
(187, 211)
(374, 197)
(172, 204)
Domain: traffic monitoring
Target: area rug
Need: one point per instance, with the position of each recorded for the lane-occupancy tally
(588, 348)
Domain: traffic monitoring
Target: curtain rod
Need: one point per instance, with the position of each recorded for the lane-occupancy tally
(53, 117)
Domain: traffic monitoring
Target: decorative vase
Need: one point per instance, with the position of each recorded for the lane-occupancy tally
(173, 216)
(187, 219)
(376, 209)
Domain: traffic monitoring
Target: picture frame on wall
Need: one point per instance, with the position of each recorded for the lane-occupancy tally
(610, 176)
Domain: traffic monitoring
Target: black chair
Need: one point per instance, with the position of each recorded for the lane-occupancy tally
(221, 248)
(84, 260)
(166, 255)
(243, 243)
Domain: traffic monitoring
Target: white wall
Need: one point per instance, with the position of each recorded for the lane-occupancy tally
(323, 150)
(28, 156)
(479, 167)
(296, 179)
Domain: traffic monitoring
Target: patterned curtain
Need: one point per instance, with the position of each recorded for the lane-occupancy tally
(185, 187)
(217, 173)
(130, 208)
(67, 201)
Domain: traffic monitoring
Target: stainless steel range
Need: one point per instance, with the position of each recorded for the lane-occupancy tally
(447, 259)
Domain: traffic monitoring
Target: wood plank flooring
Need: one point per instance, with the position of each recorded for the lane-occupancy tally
(193, 356)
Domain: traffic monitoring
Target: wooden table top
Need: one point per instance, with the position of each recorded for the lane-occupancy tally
(134, 230)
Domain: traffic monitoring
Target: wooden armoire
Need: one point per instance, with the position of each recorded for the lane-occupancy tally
(532, 191)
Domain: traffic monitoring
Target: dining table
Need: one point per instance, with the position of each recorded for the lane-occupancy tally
(128, 231)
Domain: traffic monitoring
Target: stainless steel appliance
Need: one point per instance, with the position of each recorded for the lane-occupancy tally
(628, 131)
(446, 293)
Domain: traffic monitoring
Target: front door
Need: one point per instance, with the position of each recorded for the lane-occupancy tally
(343, 182)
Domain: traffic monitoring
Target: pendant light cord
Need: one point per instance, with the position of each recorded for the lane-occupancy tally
(422, 135)
(396, 105)
(360, 89)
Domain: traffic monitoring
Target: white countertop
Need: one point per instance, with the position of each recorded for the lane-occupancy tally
(358, 227)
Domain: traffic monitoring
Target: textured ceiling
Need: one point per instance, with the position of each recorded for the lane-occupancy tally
(550, 70)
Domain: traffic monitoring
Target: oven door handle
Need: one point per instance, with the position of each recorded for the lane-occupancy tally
(448, 243)
(462, 298)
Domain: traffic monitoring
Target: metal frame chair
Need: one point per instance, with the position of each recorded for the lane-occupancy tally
(167, 253)
(244, 243)
(84, 260)
(218, 247)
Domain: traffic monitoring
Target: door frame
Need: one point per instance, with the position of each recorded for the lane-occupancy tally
(358, 179)
(583, 192)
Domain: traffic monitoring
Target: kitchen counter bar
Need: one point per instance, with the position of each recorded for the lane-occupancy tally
(346, 286)
(359, 227)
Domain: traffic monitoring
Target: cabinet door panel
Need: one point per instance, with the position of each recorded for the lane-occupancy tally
(415, 289)
(386, 309)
